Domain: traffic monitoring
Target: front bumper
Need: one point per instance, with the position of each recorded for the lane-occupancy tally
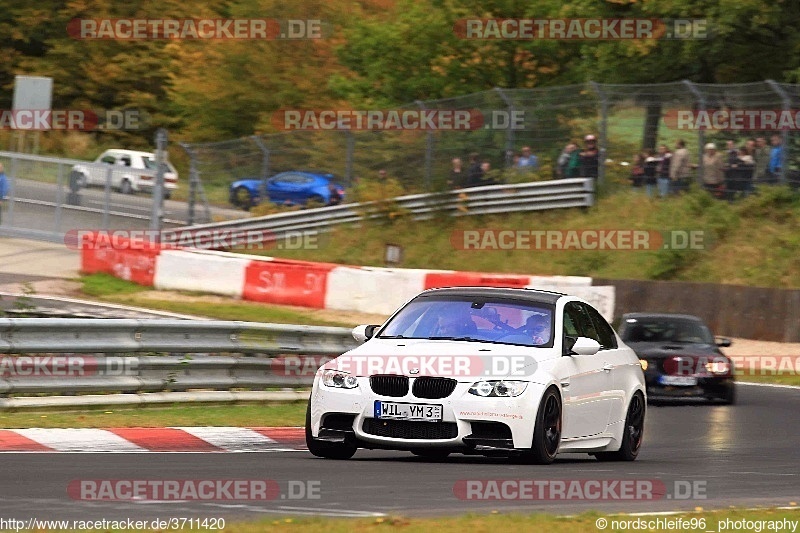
(706, 387)
(469, 422)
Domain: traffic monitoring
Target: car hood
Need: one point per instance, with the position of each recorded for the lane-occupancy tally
(662, 350)
(461, 360)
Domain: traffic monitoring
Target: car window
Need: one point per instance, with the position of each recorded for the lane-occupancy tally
(580, 324)
(109, 159)
(605, 332)
(497, 320)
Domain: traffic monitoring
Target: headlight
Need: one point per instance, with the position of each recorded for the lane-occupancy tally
(643, 362)
(718, 367)
(498, 388)
(339, 379)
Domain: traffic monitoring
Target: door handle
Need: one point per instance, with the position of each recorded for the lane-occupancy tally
(608, 367)
(564, 383)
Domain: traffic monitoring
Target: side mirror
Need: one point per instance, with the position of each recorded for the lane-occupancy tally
(363, 333)
(585, 346)
(723, 342)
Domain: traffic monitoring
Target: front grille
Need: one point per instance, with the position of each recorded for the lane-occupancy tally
(410, 429)
(433, 388)
(340, 421)
(490, 430)
(389, 385)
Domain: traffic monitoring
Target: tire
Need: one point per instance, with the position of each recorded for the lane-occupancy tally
(547, 432)
(632, 435)
(125, 187)
(730, 395)
(167, 194)
(327, 450)
(242, 198)
(431, 453)
(316, 201)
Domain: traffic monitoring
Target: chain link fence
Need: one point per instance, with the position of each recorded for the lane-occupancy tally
(626, 119)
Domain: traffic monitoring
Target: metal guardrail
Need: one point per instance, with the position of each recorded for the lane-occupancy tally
(489, 199)
(65, 335)
(128, 373)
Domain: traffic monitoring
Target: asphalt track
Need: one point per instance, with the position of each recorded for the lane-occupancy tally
(743, 455)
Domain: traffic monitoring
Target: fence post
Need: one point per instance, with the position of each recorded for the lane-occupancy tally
(786, 103)
(602, 134)
(428, 150)
(509, 151)
(350, 148)
(700, 99)
(107, 196)
(158, 192)
(12, 191)
(193, 179)
(59, 198)
(264, 165)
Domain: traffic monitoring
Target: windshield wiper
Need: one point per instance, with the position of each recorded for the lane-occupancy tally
(455, 339)
(393, 337)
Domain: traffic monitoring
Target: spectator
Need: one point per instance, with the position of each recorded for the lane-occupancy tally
(732, 153)
(775, 160)
(637, 171)
(713, 170)
(750, 146)
(761, 160)
(739, 177)
(3, 188)
(679, 169)
(663, 170)
(527, 161)
(486, 179)
(568, 162)
(650, 164)
(382, 174)
(334, 197)
(474, 172)
(457, 174)
(589, 157)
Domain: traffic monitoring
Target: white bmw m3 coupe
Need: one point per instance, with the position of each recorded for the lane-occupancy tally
(521, 373)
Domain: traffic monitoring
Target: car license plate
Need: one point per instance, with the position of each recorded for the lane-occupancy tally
(678, 381)
(408, 411)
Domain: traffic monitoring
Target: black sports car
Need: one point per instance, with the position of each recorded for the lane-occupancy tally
(680, 356)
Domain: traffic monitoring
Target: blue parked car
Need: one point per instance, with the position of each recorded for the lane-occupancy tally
(288, 188)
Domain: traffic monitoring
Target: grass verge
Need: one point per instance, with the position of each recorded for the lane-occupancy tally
(731, 519)
(107, 288)
(245, 415)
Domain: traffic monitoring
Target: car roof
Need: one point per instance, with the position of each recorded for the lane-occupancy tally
(531, 295)
(130, 152)
(661, 315)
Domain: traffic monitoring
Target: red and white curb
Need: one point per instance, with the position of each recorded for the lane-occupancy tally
(143, 440)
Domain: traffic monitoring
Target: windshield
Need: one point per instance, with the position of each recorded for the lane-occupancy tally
(150, 163)
(474, 320)
(666, 330)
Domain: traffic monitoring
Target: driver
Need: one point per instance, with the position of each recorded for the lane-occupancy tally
(454, 323)
(538, 327)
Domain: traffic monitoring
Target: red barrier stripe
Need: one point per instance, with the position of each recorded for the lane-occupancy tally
(287, 436)
(435, 280)
(11, 441)
(165, 440)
